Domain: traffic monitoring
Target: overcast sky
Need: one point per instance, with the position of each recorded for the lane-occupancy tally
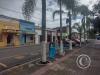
(13, 8)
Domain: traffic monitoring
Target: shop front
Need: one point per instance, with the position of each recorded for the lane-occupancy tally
(27, 36)
(9, 33)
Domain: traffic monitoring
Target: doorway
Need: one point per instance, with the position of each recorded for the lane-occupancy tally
(10, 39)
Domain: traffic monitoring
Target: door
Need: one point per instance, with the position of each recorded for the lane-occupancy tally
(10, 39)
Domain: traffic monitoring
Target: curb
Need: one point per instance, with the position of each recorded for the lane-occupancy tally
(43, 70)
(16, 46)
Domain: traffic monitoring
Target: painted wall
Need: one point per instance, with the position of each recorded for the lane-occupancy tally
(7, 24)
(27, 28)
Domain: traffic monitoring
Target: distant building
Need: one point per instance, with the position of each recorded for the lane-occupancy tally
(38, 36)
(15, 32)
(49, 35)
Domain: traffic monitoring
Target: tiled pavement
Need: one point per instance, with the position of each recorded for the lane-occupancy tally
(67, 65)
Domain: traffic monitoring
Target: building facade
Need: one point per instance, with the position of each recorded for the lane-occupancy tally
(9, 32)
(27, 35)
(38, 36)
(50, 35)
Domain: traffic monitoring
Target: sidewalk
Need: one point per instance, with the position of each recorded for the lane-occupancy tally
(67, 64)
(55, 65)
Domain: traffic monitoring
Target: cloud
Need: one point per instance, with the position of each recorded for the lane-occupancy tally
(13, 8)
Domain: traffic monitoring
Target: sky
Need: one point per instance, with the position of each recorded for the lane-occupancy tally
(13, 8)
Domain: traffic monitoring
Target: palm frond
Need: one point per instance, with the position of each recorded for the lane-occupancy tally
(69, 4)
(83, 10)
(56, 12)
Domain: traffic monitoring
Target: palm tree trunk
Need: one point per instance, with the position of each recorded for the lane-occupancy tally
(61, 39)
(70, 30)
(43, 53)
(84, 24)
(80, 37)
(89, 32)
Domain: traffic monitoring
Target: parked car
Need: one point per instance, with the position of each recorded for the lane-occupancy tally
(98, 37)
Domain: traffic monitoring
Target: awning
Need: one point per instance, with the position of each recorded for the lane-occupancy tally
(24, 32)
(10, 31)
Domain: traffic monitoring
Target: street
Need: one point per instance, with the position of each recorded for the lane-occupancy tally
(49, 37)
(10, 57)
(62, 66)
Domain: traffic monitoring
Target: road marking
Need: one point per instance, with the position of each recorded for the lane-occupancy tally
(3, 65)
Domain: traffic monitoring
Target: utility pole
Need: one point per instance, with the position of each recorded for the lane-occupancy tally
(43, 52)
(70, 31)
(61, 39)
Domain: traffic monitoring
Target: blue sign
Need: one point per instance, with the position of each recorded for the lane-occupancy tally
(27, 27)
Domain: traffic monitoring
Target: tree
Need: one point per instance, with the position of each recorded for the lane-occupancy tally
(28, 9)
(70, 6)
(97, 7)
(84, 11)
(88, 25)
(96, 22)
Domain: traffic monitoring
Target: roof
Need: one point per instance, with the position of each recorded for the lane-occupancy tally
(3, 16)
(7, 17)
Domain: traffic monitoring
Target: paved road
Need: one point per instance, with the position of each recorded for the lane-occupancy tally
(14, 56)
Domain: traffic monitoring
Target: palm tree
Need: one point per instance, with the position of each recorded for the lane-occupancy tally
(28, 9)
(70, 6)
(79, 28)
(84, 11)
(88, 25)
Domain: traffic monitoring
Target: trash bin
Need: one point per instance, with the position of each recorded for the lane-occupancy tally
(52, 51)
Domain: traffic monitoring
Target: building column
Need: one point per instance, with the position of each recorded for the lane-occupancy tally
(36, 39)
(16, 40)
(52, 36)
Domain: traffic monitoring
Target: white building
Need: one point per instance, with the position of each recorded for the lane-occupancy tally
(38, 35)
(49, 37)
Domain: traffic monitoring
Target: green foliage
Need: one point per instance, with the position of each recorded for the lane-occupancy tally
(97, 7)
(83, 10)
(69, 4)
